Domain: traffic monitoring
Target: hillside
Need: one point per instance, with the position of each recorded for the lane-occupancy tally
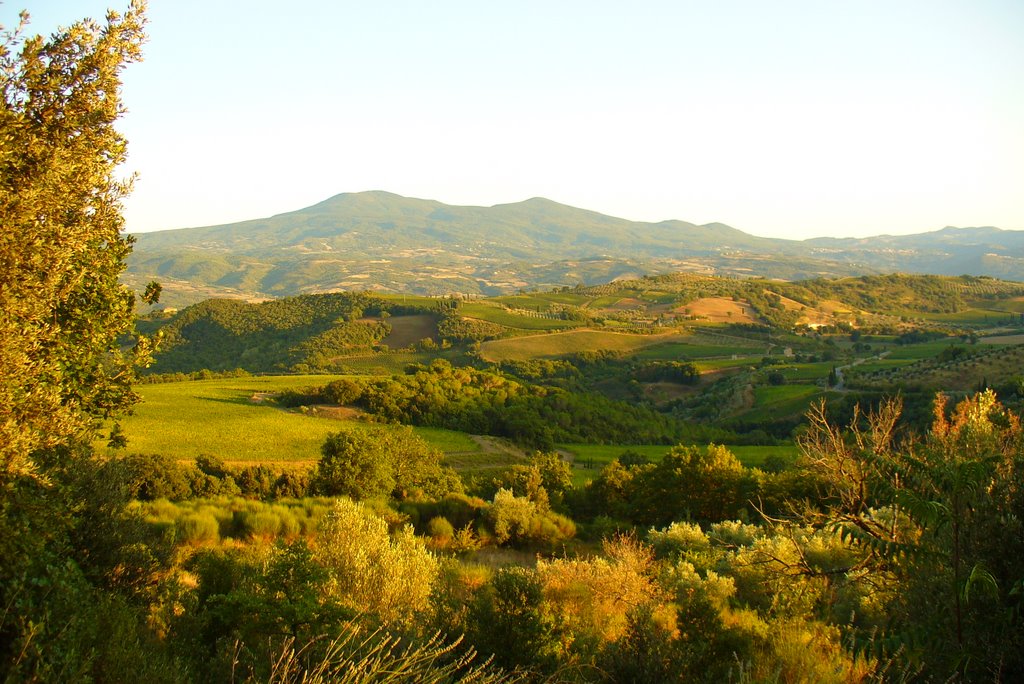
(382, 242)
(649, 360)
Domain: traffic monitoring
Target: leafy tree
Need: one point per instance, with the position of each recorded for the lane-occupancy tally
(381, 462)
(62, 309)
(67, 585)
(934, 527)
(353, 463)
(690, 482)
(507, 620)
(154, 476)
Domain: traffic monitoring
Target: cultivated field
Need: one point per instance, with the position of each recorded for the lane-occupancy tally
(720, 310)
(558, 344)
(408, 330)
(232, 419)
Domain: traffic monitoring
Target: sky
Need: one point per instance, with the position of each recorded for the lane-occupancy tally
(789, 118)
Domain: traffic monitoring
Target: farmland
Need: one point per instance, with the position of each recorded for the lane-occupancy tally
(236, 420)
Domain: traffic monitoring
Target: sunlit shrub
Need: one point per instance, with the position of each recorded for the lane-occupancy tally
(390, 576)
(677, 539)
(440, 530)
(197, 528)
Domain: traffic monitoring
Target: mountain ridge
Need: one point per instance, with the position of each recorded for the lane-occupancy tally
(381, 241)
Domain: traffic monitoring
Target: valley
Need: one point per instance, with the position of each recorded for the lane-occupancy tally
(737, 361)
(389, 439)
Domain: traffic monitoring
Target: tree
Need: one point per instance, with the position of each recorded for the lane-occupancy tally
(933, 527)
(381, 462)
(690, 482)
(62, 309)
(354, 463)
(66, 582)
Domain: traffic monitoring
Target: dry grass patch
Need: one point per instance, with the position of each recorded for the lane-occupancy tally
(721, 310)
(1002, 339)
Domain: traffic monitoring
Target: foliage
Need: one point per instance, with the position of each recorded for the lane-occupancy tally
(480, 401)
(360, 656)
(62, 309)
(305, 332)
(936, 525)
(381, 462)
(390, 577)
(76, 566)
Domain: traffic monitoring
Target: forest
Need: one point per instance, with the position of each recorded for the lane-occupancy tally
(811, 481)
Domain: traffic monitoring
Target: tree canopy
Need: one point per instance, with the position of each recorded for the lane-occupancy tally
(62, 309)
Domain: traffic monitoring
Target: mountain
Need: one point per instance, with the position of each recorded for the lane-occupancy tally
(384, 242)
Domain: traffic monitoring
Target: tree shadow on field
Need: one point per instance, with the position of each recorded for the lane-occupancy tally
(238, 401)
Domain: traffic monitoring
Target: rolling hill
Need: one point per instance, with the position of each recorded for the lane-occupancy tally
(378, 241)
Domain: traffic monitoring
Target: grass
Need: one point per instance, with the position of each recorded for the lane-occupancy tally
(782, 400)
(689, 351)
(802, 372)
(408, 330)
(219, 417)
(558, 344)
(969, 317)
(394, 363)
(880, 364)
(719, 364)
(544, 300)
(925, 350)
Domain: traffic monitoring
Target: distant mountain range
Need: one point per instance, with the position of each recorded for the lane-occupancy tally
(380, 241)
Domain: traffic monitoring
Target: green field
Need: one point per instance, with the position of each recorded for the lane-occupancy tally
(221, 418)
(803, 372)
(969, 317)
(887, 363)
(782, 400)
(558, 344)
(719, 364)
(924, 350)
(543, 301)
(690, 351)
(395, 363)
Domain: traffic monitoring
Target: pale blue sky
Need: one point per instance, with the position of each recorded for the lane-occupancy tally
(782, 118)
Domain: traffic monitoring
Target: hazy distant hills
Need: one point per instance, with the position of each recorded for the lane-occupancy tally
(384, 242)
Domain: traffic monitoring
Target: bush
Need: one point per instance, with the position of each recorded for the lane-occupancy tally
(391, 577)
(154, 476)
(213, 466)
(440, 529)
(291, 484)
(261, 524)
(256, 481)
(197, 528)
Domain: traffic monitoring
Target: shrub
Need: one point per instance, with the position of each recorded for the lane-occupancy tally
(510, 516)
(440, 530)
(197, 528)
(256, 481)
(370, 570)
(153, 476)
(291, 484)
(262, 524)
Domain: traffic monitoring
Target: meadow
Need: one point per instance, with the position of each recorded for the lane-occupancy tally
(557, 344)
(232, 419)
